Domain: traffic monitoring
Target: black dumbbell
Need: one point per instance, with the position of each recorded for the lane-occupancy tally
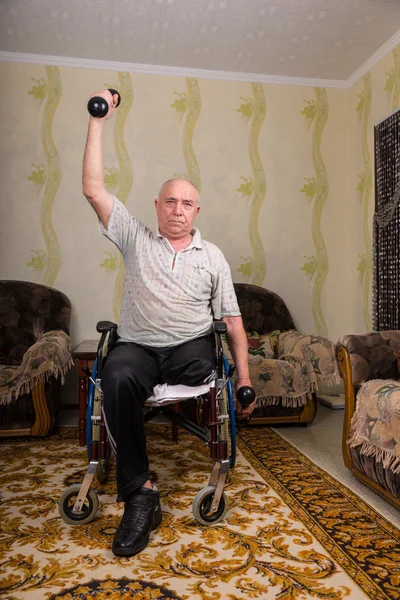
(98, 107)
(246, 395)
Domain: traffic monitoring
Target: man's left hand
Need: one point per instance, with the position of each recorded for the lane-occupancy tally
(244, 413)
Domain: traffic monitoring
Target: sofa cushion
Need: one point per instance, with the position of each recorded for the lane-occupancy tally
(259, 346)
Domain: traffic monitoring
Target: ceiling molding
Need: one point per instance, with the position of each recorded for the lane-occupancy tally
(81, 63)
(376, 57)
(104, 65)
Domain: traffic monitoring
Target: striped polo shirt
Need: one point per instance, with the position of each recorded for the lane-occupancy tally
(169, 297)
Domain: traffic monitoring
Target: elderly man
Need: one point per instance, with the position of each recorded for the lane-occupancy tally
(176, 284)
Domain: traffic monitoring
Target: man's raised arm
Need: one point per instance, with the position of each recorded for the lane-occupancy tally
(93, 171)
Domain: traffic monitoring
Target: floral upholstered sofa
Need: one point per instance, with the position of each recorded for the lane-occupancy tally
(286, 366)
(35, 355)
(369, 364)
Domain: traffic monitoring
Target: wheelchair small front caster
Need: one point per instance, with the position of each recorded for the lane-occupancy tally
(202, 505)
(67, 501)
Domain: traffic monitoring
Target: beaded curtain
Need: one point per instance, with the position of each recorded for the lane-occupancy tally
(386, 226)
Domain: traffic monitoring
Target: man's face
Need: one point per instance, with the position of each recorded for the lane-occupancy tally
(177, 208)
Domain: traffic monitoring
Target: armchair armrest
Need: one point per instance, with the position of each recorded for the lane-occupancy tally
(350, 400)
(318, 353)
(281, 381)
(49, 356)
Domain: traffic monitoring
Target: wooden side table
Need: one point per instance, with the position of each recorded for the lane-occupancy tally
(85, 353)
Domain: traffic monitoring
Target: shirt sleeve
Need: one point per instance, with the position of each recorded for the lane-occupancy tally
(224, 302)
(122, 226)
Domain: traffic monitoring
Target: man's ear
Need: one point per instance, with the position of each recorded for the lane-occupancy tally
(156, 204)
(198, 208)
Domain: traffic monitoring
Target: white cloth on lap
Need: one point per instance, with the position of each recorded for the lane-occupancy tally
(169, 394)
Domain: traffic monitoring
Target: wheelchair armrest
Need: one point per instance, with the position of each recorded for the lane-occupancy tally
(109, 337)
(103, 326)
(219, 327)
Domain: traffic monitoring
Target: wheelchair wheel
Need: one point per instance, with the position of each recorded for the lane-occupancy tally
(202, 504)
(103, 466)
(67, 501)
(232, 418)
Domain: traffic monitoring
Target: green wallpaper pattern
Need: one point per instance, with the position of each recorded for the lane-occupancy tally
(392, 86)
(192, 115)
(49, 92)
(316, 189)
(188, 104)
(253, 110)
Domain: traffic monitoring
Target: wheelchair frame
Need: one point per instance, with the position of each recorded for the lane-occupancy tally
(79, 503)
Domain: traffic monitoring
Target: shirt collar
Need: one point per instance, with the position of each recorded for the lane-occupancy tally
(196, 239)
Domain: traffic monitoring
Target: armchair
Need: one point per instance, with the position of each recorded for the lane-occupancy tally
(286, 367)
(371, 430)
(34, 356)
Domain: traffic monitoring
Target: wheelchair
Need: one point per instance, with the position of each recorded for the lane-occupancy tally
(215, 413)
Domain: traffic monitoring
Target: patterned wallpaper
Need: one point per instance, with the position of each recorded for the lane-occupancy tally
(253, 109)
(316, 112)
(285, 173)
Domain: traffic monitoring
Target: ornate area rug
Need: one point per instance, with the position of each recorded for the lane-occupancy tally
(292, 531)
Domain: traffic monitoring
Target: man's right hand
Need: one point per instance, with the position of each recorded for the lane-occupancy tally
(112, 101)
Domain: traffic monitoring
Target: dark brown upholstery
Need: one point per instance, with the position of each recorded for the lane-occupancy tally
(262, 311)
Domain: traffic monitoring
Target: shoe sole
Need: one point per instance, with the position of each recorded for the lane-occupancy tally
(137, 549)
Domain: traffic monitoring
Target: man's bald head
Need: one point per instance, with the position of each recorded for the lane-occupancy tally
(166, 183)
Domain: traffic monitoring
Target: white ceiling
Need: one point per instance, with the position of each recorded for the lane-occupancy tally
(327, 39)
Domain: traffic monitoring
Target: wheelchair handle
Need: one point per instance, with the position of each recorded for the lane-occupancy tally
(246, 395)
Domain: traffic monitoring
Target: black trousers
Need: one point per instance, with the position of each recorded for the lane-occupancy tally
(130, 373)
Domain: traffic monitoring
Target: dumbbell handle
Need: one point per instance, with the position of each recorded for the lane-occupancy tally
(113, 92)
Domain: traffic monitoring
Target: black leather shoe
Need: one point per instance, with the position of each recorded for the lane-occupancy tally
(142, 514)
